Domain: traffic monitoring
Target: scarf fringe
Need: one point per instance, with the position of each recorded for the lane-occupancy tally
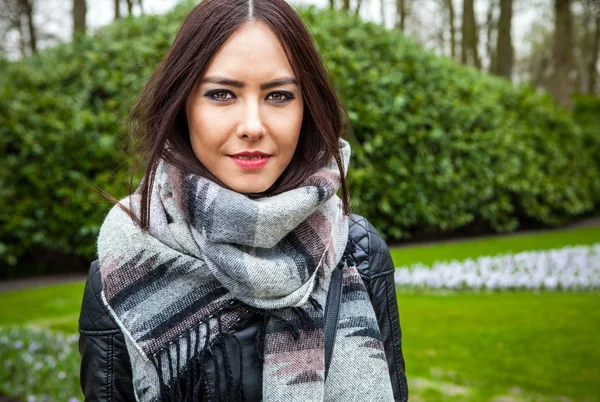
(183, 384)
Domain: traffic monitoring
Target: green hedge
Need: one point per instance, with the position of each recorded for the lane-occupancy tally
(443, 146)
(587, 111)
(61, 138)
(436, 146)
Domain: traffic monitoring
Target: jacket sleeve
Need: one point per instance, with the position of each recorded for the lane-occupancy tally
(105, 373)
(377, 270)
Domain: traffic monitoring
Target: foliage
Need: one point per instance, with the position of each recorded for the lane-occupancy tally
(587, 111)
(61, 138)
(436, 146)
(38, 364)
(443, 146)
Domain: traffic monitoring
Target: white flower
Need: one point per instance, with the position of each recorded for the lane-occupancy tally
(27, 358)
(33, 346)
(569, 268)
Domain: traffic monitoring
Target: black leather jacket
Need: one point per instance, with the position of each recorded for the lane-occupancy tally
(105, 364)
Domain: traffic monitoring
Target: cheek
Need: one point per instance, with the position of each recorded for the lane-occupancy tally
(206, 128)
(288, 130)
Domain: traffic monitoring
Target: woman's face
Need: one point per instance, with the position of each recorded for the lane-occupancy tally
(244, 114)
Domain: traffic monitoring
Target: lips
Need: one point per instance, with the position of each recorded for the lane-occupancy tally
(250, 160)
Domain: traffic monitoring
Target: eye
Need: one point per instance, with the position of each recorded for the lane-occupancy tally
(220, 95)
(280, 97)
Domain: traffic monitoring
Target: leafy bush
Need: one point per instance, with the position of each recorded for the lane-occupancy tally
(61, 137)
(443, 146)
(38, 364)
(587, 111)
(436, 146)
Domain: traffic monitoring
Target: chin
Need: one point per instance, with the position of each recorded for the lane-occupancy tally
(249, 188)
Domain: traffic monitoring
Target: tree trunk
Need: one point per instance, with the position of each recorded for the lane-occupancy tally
(464, 43)
(563, 53)
(470, 54)
(141, 4)
(28, 12)
(22, 43)
(400, 15)
(346, 5)
(450, 8)
(583, 44)
(130, 7)
(117, 9)
(504, 47)
(357, 9)
(492, 28)
(79, 11)
(593, 60)
(331, 4)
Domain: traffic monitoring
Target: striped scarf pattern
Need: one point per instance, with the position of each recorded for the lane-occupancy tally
(211, 260)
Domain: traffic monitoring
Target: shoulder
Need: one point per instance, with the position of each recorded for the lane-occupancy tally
(124, 210)
(372, 254)
(94, 318)
(115, 235)
(119, 230)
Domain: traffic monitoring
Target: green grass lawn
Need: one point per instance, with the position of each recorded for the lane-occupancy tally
(520, 346)
(463, 249)
(54, 307)
(500, 347)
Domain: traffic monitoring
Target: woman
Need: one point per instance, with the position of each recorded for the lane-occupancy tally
(235, 272)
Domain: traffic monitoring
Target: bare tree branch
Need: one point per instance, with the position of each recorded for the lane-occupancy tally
(450, 8)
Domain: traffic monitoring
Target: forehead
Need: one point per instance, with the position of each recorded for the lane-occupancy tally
(252, 51)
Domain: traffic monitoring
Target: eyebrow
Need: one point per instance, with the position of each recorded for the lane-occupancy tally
(239, 84)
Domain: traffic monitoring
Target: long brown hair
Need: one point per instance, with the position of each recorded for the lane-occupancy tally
(158, 121)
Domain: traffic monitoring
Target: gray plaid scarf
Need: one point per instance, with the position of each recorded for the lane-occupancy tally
(211, 259)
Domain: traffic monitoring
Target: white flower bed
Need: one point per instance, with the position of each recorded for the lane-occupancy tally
(569, 268)
(39, 365)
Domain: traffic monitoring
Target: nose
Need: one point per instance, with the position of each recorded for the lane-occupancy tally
(251, 125)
